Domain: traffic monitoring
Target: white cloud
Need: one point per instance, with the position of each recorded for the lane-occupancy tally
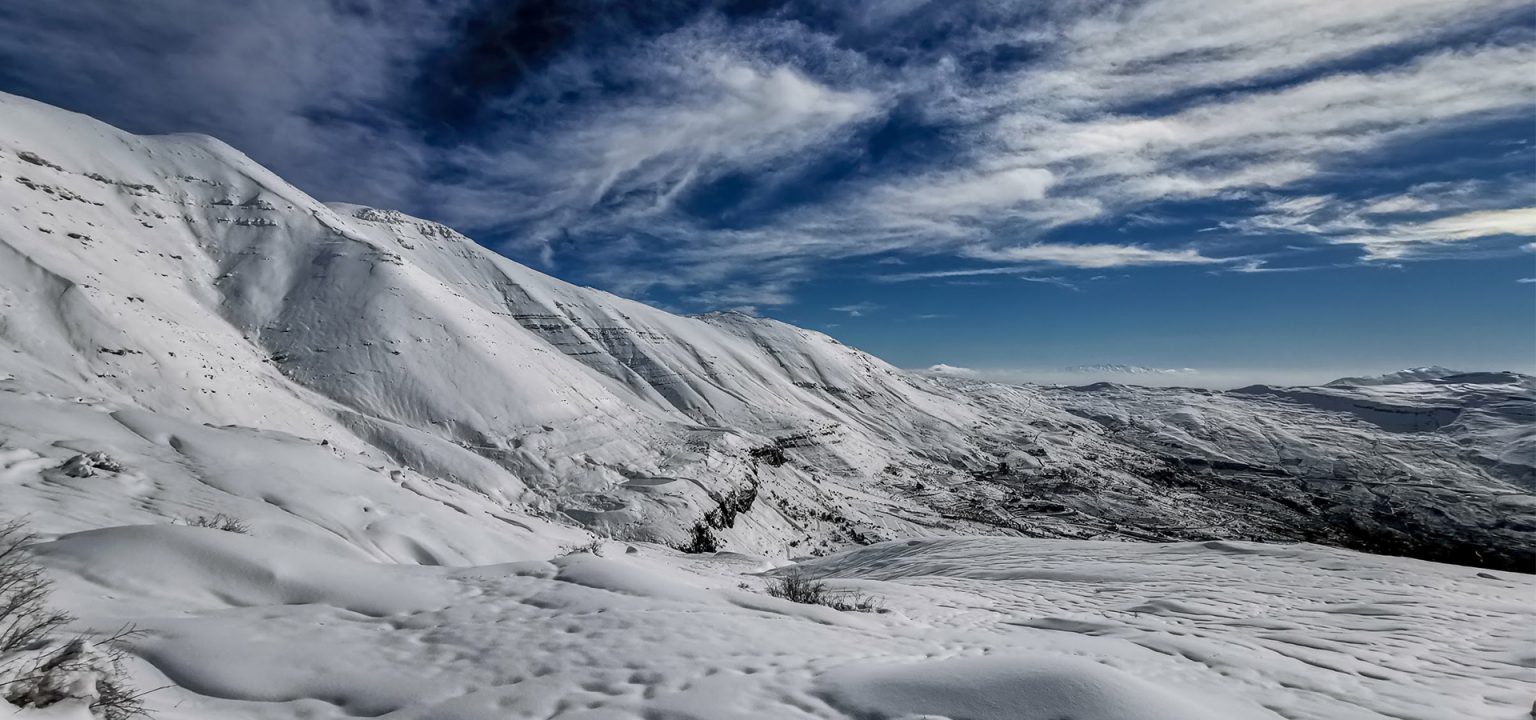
(1119, 106)
(1269, 138)
(742, 115)
(1021, 272)
(1409, 239)
(1398, 204)
(1055, 153)
(955, 370)
(1126, 54)
(1426, 221)
(622, 164)
(856, 309)
(1091, 255)
(970, 192)
(1519, 221)
(743, 295)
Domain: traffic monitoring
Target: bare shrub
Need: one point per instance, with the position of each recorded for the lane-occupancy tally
(80, 669)
(795, 586)
(25, 618)
(593, 547)
(227, 523)
(37, 669)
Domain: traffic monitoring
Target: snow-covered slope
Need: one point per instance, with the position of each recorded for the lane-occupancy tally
(367, 589)
(176, 277)
(172, 274)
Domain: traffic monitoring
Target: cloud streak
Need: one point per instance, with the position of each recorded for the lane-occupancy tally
(723, 156)
(1429, 221)
(1423, 237)
(1092, 256)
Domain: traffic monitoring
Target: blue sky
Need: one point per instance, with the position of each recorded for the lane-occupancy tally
(1279, 190)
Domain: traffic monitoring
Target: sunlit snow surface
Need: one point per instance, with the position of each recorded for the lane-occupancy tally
(978, 628)
(362, 592)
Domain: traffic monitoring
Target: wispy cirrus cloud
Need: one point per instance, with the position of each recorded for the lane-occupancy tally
(724, 155)
(1018, 272)
(1015, 270)
(1418, 238)
(1091, 255)
(621, 167)
(1427, 221)
(858, 309)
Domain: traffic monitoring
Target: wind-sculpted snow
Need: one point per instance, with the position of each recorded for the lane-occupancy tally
(1311, 631)
(367, 589)
(976, 628)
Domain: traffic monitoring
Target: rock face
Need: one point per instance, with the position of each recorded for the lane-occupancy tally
(166, 280)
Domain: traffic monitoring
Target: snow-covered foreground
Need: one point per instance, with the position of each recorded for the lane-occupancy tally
(366, 590)
(974, 629)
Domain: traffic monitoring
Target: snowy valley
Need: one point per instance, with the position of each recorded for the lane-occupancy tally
(466, 489)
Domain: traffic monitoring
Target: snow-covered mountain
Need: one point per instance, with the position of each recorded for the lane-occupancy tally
(1418, 374)
(174, 276)
(421, 439)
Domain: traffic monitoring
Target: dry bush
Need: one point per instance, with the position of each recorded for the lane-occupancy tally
(592, 547)
(25, 618)
(795, 586)
(227, 523)
(37, 669)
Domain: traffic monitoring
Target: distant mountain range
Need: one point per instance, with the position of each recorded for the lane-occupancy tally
(1116, 369)
(1105, 369)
